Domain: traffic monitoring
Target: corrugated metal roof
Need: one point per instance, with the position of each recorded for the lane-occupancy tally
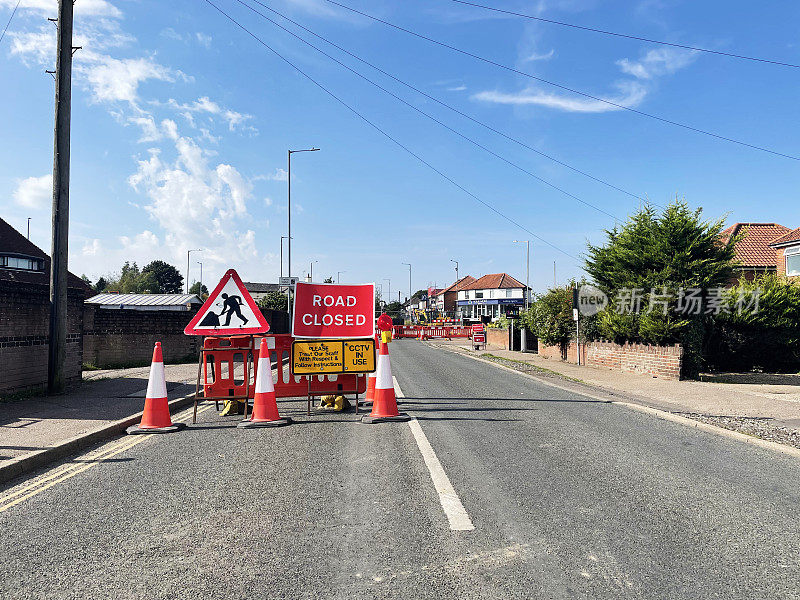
(145, 299)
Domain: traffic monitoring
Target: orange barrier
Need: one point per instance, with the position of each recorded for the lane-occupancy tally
(426, 332)
(229, 366)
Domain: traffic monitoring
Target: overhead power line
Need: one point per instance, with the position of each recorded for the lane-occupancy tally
(386, 134)
(422, 112)
(564, 87)
(13, 12)
(628, 36)
(433, 98)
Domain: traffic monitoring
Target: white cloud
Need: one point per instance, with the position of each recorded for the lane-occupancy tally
(235, 120)
(92, 248)
(97, 8)
(457, 88)
(267, 201)
(34, 192)
(630, 94)
(203, 39)
(118, 80)
(539, 56)
(660, 61)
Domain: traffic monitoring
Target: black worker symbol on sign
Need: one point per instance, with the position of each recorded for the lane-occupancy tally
(232, 305)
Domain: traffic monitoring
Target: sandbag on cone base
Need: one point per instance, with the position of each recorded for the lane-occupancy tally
(265, 405)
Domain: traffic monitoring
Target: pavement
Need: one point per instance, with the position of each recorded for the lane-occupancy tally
(570, 497)
(771, 397)
(35, 424)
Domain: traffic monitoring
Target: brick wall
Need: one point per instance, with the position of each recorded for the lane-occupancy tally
(656, 361)
(497, 339)
(24, 323)
(113, 338)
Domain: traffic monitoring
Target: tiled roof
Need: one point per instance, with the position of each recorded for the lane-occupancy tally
(258, 288)
(494, 281)
(792, 236)
(459, 284)
(753, 249)
(13, 242)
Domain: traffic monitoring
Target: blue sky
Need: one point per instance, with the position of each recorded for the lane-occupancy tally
(181, 123)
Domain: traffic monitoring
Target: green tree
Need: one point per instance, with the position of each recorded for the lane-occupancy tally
(101, 285)
(199, 289)
(168, 279)
(660, 253)
(273, 301)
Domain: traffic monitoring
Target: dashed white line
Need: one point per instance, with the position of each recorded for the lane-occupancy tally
(451, 503)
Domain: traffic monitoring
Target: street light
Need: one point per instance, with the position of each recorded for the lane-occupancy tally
(337, 275)
(311, 271)
(455, 261)
(409, 280)
(201, 278)
(283, 237)
(29, 228)
(289, 211)
(188, 253)
(527, 268)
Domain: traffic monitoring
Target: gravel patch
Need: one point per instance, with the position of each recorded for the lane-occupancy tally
(760, 427)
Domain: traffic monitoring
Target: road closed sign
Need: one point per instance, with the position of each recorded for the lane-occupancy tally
(330, 310)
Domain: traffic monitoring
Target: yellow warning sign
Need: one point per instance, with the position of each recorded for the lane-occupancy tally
(333, 357)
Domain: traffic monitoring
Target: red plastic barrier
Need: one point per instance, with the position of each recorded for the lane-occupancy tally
(412, 331)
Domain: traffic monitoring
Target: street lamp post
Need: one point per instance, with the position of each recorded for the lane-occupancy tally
(523, 337)
(311, 271)
(283, 237)
(409, 280)
(201, 278)
(29, 228)
(455, 261)
(188, 253)
(338, 273)
(289, 215)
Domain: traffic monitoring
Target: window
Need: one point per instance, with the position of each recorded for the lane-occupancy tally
(14, 262)
(479, 294)
(509, 293)
(792, 260)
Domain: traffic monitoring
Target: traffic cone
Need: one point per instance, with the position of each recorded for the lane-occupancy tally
(370, 395)
(265, 405)
(155, 418)
(384, 404)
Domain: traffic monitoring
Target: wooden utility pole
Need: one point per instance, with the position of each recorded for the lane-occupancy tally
(58, 256)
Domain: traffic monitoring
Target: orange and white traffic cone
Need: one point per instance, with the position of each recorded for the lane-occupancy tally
(156, 418)
(265, 404)
(384, 404)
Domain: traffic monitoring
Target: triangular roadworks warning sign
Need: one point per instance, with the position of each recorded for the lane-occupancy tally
(229, 310)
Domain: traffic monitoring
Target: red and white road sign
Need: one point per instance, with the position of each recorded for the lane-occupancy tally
(479, 338)
(330, 310)
(477, 328)
(229, 310)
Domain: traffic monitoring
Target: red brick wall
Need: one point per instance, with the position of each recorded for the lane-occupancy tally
(24, 323)
(781, 261)
(497, 339)
(657, 361)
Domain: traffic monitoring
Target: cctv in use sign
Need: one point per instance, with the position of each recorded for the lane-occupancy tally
(330, 310)
(333, 357)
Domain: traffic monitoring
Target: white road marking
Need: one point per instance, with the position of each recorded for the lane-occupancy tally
(451, 503)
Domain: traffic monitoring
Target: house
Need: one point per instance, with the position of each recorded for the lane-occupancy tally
(25, 315)
(787, 253)
(260, 290)
(754, 252)
(146, 302)
(491, 296)
(445, 300)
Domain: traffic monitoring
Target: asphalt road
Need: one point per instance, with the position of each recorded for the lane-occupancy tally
(570, 498)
